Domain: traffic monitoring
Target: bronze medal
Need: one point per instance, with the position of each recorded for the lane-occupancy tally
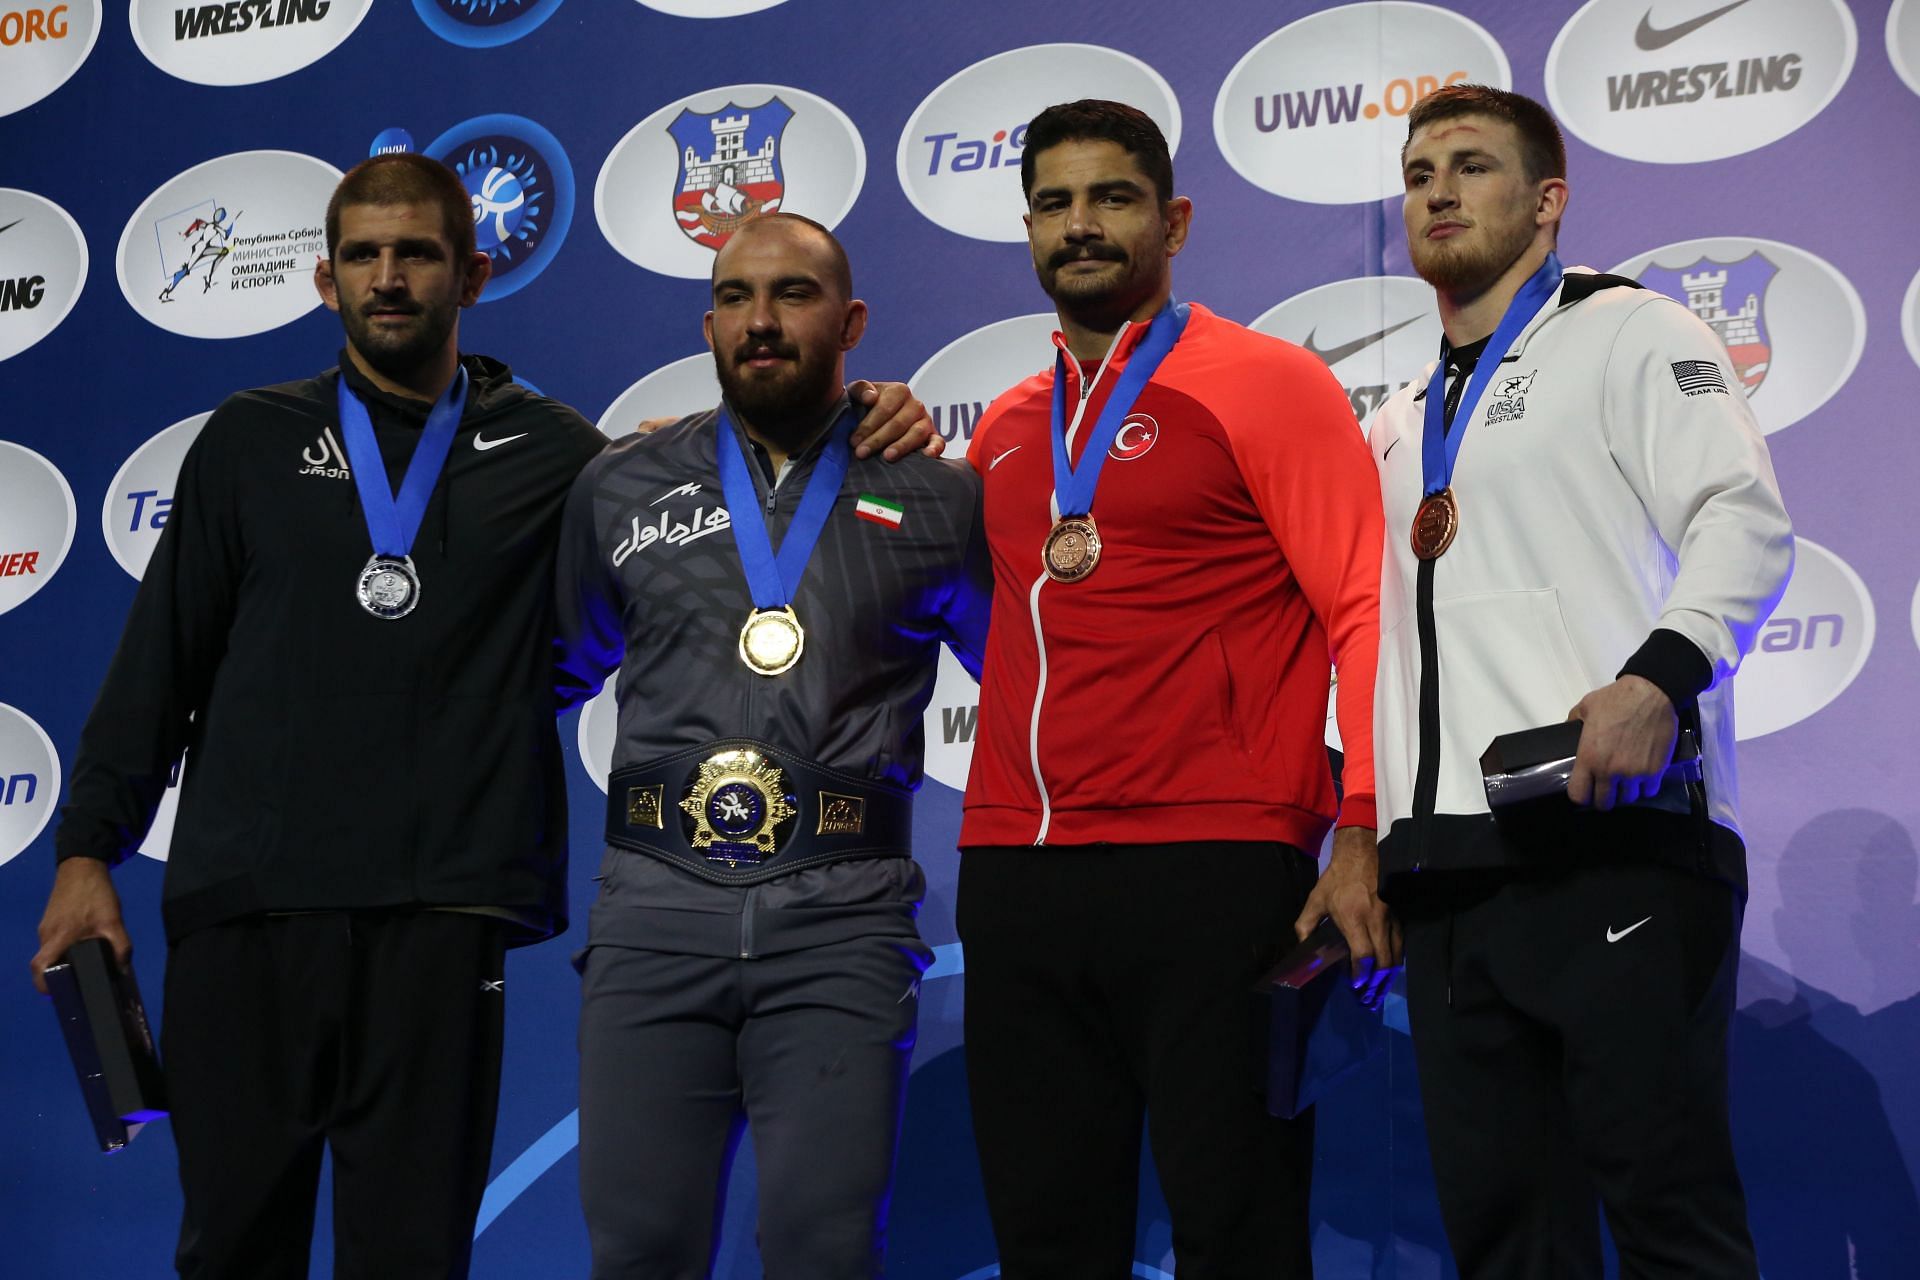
(1434, 524)
(1073, 549)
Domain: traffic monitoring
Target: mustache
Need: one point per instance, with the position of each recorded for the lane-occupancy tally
(779, 350)
(1092, 251)
(378, 307)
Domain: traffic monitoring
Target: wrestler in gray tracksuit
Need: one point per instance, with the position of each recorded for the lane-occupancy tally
(717, 990)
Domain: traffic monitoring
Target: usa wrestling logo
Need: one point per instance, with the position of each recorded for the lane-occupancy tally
(1732, 298)
(521, 185)
(482, 24)
(729, 168)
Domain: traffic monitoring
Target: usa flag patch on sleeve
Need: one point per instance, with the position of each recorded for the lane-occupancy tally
(1699, 377)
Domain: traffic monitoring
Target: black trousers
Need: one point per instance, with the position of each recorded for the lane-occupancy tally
(1571, 1033)
(376, 1034)
(808, 1048)
(1107, 987)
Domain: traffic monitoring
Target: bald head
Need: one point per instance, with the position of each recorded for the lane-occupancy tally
(808, 244)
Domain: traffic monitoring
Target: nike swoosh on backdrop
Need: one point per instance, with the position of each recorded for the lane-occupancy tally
(1334, 355)
(484, 445)
(11, 225)
(1649, 37)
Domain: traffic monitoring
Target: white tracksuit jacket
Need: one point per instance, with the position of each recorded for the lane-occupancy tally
(1609, 485)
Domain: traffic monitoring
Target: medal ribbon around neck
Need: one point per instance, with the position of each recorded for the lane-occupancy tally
(773, 580)
(393, 520)
(1439, 448)
(1073, 488)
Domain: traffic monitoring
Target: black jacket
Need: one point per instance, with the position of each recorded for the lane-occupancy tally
(335, 759)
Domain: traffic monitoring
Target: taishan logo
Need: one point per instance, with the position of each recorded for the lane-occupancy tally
(196, 22)
(29, 781)
(958, 158)
(1343, 104)
(1812, 647)
(1317, 110)
(140, 498)
(1679, 81)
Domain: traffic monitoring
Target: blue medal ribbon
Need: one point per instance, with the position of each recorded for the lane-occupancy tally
(1440, 448)
(773, 580)
(393, 520)
(1073, 489)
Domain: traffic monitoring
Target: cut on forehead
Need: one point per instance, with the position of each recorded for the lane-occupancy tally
(820, 244)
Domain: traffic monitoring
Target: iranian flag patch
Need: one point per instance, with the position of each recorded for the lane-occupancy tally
(879, 510)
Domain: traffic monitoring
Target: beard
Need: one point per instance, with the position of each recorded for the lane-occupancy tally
(1102, 300)
(783, 403)
(397, 354)
(1470, 270)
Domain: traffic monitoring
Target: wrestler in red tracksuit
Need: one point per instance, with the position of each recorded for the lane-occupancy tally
(1156, 729)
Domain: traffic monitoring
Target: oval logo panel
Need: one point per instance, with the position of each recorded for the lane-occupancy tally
(1677, 81)
(1792, 323)
(141, 496)
(41, 46)
(1810, 650)
(1317, 110)
(227, 249)
(246, 43)
(1376, 333)
(37, 520)
(521, 185)
(959, 156)
(1903, 41)
(1910, 318)
(29, 781)
(675, 390)
(483, 24)
(675, 187)
(43, 267)
(957, 384)
(599, 726)
(710, 8)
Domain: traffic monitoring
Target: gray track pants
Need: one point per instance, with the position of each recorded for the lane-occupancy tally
(810, 1048)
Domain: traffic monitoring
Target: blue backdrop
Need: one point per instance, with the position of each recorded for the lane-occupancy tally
(1755, 159)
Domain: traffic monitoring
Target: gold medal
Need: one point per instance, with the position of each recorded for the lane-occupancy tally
(1073, 549)
(1434, 524)
(771, 640)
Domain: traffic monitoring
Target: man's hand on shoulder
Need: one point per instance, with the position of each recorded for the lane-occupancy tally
(1626, 743)
(1348, 890)
(83, 904)
(896, 423)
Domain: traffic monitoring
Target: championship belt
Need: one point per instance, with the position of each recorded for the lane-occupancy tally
(740, 812)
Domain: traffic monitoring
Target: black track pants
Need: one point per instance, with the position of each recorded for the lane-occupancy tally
(1571, 1032)
(1107, 987)
(376, 1034)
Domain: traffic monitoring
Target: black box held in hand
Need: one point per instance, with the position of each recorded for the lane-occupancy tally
(1310, 1026)
(100, 1013)
(1534, 765)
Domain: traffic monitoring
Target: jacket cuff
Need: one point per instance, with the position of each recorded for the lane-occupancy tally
(1358, 811)
(1673, 664)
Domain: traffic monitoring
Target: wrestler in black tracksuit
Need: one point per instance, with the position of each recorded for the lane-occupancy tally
(789, 1003)
(370, 811)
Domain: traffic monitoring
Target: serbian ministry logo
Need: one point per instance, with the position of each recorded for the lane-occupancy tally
(483, 24)
(521, 186)
(729, 168)
(1731, 298)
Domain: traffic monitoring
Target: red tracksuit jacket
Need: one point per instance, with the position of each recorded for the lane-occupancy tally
(1179, 692)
